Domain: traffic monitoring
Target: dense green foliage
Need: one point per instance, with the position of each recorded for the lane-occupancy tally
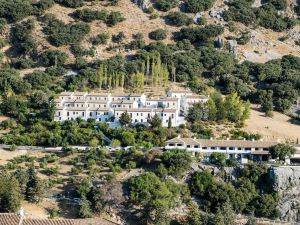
(282, 151)
(201, 34)
(10, 194)
(194, 6)
(231, 108)
(267, 15)
(88, 15)
(178, 19)
(156, 197)
(60, 33)
(165, 5)
(176, 161)
(158, 35)
(70, 3)
(246, 195)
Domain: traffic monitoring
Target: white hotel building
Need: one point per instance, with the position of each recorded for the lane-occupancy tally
(106, 107)
(239, 149)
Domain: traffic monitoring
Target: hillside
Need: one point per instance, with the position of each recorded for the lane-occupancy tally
(237, 66)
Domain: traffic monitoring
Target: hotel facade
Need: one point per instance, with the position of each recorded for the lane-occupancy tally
(257, 150)
(106, 107)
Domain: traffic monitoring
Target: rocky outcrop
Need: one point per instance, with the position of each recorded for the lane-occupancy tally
(143, 4)
(285, 177)
(286, 180)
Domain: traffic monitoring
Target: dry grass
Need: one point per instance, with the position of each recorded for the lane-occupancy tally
(278, 127)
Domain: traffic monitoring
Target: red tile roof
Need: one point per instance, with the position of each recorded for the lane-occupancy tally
(14, 219)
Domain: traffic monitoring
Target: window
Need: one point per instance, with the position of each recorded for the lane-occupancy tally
(256, 148)
(142, 120)
(247, 149)
(213, 148)
(82, 113)
(231, 148)
(188, 146)
(179, 144)
(196, 146)
(58, 113)
(172, 115)
(171, 144)
(68, 113)
(91, 114)
(239, 148)
(204, 147)
(222, 148)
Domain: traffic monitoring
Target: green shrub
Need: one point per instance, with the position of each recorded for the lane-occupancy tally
(16, 10)
(165, 5)
(88, 15)
(137, 43)
(194, 6)
(70, 3)
(54, 58)
(158, 35)
(113, 18)
(179, 19)
(201, 34)
(100, 39)
(60, 33)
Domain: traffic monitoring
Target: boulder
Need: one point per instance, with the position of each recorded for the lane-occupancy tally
(143, 4)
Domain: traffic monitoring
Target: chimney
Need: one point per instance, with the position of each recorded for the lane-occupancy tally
(21, 214)
(211, 138)
(253, 139)
(227, 139)
(244, 139)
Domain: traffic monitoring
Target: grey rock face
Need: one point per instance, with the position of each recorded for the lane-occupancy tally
(285, 177)
(143, 4)
(286, 180)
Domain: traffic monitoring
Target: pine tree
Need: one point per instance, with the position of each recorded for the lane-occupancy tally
(34, 187)
(85, 208)
(10, 193)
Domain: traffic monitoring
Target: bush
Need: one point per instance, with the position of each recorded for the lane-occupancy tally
(118, 38)
(16, 10)
(113, 18)
(70, 3)
(60, 33)
(165, 5)
(54, 58)
(194, 6)
(201, 34)
(137, 43)
(88, 15)
(100, 39)
(158, 35)
(23, 63)
(2, 25)
(179, 19)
